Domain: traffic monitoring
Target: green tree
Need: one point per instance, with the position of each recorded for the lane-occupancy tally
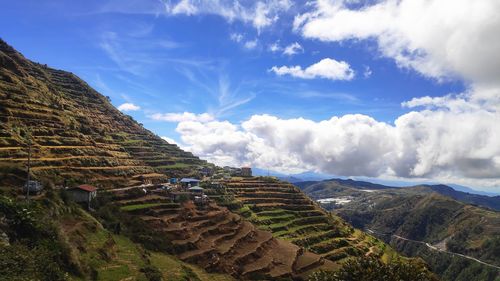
(371, 269)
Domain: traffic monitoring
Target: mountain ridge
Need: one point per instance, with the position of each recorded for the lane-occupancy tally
(492, 202)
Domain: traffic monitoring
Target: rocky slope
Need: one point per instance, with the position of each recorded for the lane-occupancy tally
(75, 132)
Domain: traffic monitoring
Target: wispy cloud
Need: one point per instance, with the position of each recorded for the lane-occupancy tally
(329, 95)
(182, 117)
(290, 50)
(293, 49)
(236, 37)
(225, 97)
(229, 98)
(259, 14)
(251, 44)
(138, 56)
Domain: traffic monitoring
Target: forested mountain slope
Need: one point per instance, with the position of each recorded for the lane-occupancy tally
(419, 221)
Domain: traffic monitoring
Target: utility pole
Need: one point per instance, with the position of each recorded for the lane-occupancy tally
(28, 185)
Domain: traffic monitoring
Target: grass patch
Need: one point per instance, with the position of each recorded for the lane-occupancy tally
(176, 270)
(141, 206)
(174, 166)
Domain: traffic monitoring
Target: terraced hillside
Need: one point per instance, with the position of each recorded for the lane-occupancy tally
(452, 229)
(218, 240)
(75, 131)
(289, 214)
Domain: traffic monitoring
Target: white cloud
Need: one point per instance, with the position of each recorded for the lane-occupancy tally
(275, 47)
(451, 143)
(326, 68)
(260, 14)
(293, 49)
(368, 72)
(251, 44)
(236, 37)
(290, 50)
(182, 117)
(128, 107)
(440, 38)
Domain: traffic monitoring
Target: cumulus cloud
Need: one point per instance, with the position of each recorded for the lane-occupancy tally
(260, 14)
(326, 68)
(128, 107)
(439, 39)
(449, 143)
(182, 117)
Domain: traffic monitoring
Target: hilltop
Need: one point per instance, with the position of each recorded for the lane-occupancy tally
(76, 133)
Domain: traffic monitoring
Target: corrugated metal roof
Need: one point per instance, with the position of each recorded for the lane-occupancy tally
(87, 187)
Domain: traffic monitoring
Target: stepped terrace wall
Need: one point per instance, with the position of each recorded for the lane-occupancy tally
(289, 214)
(219, 240)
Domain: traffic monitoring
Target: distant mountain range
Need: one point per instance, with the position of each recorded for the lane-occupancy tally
(313, 176)
(492, 202)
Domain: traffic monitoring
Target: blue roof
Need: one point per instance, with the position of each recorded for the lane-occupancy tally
(189, 180)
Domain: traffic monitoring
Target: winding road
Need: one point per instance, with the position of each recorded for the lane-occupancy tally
(434, 248)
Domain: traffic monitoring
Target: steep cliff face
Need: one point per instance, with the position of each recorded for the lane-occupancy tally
(75, 131)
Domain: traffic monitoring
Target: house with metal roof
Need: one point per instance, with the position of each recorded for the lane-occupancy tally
(189, 182)
(82, 194)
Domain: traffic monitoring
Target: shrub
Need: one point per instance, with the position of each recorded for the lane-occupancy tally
(370, 269)
(37, 251)
(152, 273)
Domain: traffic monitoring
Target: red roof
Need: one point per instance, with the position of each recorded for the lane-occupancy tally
(87, 187)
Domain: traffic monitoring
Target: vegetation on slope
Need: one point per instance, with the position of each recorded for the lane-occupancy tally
(75, 132)
(53, 239)
(369, 269)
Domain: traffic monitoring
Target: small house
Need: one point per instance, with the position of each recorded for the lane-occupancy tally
(82, 194)
(172, 180)
(189, 182)
(196, 190)
(180, 196)
(197, 195)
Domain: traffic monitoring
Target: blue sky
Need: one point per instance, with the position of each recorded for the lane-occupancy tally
(171, 57)
(175, 64)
